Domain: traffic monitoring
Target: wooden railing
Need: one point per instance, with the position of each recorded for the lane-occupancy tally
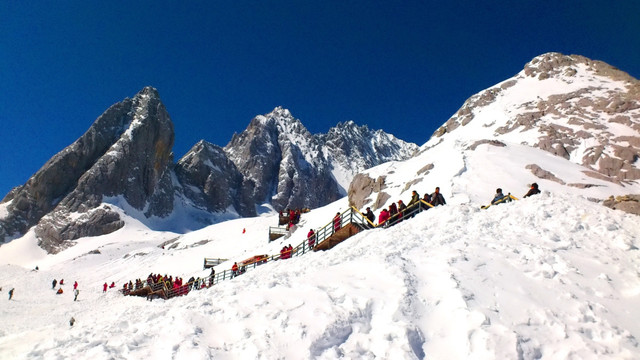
(351, 218)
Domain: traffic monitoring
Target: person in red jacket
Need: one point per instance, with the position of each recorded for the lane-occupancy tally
(75, 285)
(383, 217)
(234, 270)
(104, 287)
(337, 222)
(311, 238)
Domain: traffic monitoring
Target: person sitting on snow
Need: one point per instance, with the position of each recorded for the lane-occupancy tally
(533, 191)
(500, 197)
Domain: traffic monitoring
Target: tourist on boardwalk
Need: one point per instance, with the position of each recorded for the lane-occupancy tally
(336, 222)
(412, 207)
(370, 216)
(311, 238)
(402, 208)
(393, 214)
(234, 270)
(383, 217)
(415, 198)
(212, 276)
(437, 198)
(533, 191)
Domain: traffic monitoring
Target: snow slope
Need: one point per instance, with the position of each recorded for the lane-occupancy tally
(552, 276)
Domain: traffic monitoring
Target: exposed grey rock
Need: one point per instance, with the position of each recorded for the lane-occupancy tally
(212, 181)
(425, 169)
(490, 142)
(289, 167)
(56, 229)
(626, 203)
(362, 186)
(126, 152)
(543, 174)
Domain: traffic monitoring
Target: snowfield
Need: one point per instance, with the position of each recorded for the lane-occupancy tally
(554, 276)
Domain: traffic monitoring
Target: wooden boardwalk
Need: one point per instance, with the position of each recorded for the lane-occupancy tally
(339, 236)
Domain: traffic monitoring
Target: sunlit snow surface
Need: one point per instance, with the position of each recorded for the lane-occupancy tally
(552, 276)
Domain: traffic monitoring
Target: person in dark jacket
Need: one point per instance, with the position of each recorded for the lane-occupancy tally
(393, 213)
(54, 283)
(533, 191)
(402, 208)
(437, 198)
(370, 216)
(413, 203)
(11, 293)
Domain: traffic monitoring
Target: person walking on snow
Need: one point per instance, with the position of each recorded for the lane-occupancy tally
(54, 283)
(75, 294)
(104, 288)
(234, 270)
(75, 285)
(10, 293)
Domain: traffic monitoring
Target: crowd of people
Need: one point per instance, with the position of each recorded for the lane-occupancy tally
(395, 213)
(286, 252)
(290, 217)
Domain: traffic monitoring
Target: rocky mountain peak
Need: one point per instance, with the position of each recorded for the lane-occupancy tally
(126, 152)
(583, 110)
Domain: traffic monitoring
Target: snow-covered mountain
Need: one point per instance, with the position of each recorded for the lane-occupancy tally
(291, 168)
(125, 161)
(573, 123)
(553, 276)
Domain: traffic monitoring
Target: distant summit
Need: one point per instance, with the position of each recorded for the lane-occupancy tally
(124, 162)
(569, 123)
(583, 110)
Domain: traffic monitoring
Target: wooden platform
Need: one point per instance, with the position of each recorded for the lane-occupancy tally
(344, 233)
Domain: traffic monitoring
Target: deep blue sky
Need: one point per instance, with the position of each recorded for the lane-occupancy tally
(403, 68)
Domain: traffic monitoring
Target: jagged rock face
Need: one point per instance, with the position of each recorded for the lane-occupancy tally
(583, 110)
(310, 170)
(59, 175)
(212, 181)
(257, 155)
(126, 152)
(126, 156)
(350, 144)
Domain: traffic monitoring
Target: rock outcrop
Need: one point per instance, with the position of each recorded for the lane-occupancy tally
(124, 163)
(126, 152)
